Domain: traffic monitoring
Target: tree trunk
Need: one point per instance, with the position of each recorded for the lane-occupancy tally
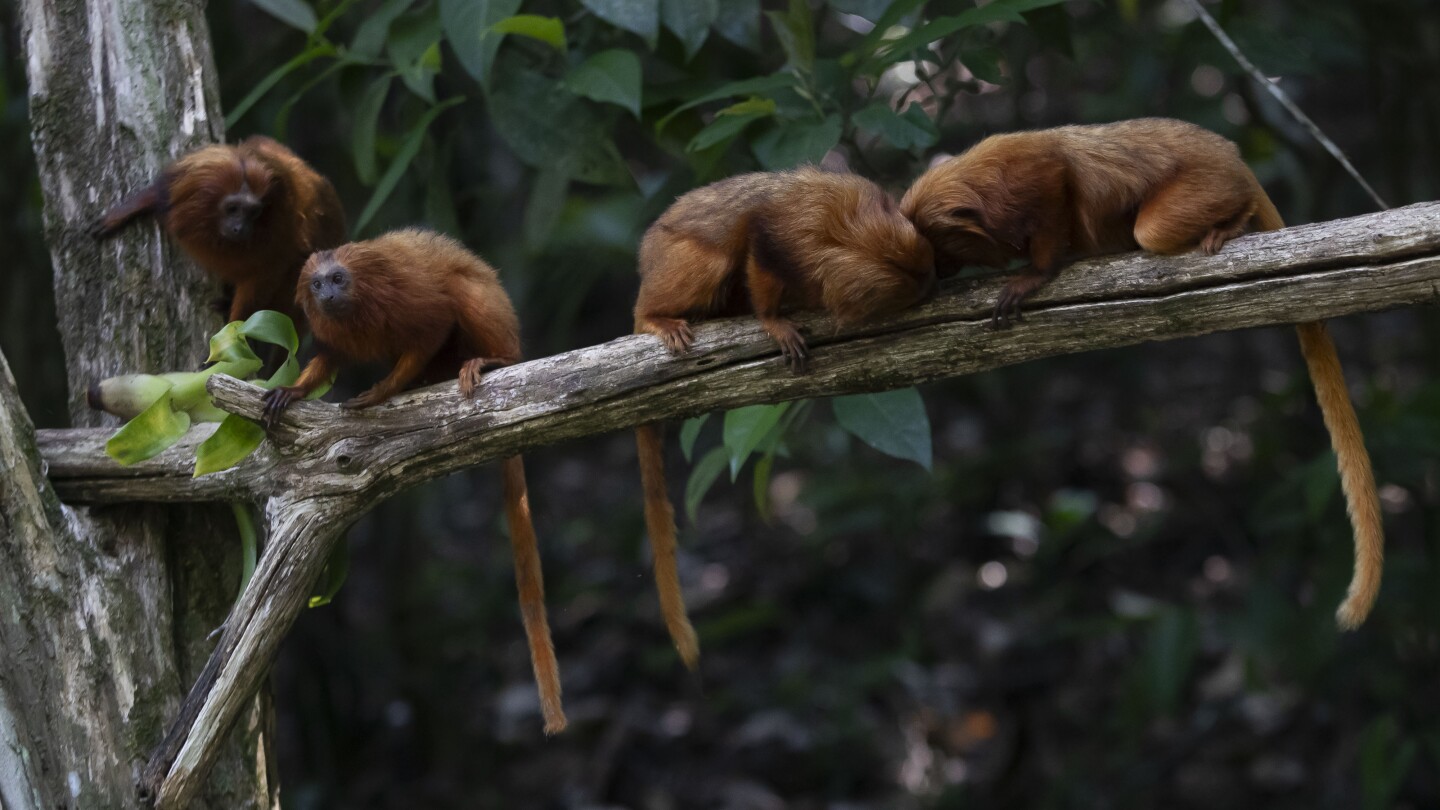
(107, 613)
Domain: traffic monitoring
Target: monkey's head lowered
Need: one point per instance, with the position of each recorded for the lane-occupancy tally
(881, 263)
(221, 190)
(965, 212)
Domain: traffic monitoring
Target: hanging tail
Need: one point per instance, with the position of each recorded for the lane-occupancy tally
(1356, 479)
(531, 583)
(660, 523)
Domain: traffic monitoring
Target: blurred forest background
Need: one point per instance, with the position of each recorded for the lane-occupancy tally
(1114, 588)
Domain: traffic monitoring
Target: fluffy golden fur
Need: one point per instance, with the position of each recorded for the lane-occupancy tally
(765, 244)
(436, 311)
(286, 212)
(1162, 185)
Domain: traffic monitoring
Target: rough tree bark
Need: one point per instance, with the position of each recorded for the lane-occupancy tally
(107, 612)
(323, 467)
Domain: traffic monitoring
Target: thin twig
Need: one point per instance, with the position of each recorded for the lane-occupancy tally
(1249, 67)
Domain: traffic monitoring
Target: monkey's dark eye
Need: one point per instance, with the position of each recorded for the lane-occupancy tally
(315, 284)
(337, 278)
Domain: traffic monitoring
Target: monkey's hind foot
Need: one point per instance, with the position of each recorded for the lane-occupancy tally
(792, 344)
(276, 401)
(1007, 306)
(473, 370)
(1217, 237)
(675, 333)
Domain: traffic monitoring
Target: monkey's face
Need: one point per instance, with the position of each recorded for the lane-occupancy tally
(327, 286)
(237, 215)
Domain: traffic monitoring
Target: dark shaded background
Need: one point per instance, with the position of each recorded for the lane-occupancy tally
(1115, 590)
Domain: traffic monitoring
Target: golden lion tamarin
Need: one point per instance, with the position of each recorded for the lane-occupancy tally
(765, 244)
(1158, 184)
(248, 214)
(437, 311)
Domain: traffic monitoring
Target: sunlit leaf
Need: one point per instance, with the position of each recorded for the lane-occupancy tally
(893, 422)
(465, 23)
(408, 149)
(294, 13)
(745, 428)
(275, 328)
(611, 76)
(148, 434)
(549, 30)
(702, 477)
(235, 439)
(336, 569)
(792, 144)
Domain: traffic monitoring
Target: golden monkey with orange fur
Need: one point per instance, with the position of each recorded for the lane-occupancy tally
(437, 311)
(765, 244)
(249, 214)
(1157, 184)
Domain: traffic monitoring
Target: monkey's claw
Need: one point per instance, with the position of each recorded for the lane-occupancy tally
(276, 401)
(473, 371)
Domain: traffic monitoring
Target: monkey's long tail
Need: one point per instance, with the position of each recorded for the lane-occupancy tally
(531, 583)
(660, 522)
(1357, 480)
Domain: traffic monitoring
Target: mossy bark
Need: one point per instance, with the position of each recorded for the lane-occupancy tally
(106, 615)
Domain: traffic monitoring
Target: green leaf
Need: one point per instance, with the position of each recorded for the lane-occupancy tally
(408, 149)
(761, 485)
(893, 422)
(336, 569)
(730, 122)
(611, 77)
(548, 126)
(375, 30)
(149, 434)
(235, 439)
(128, 395)
(897, 11)
(795, 28)
(465, 23)
(547, 200)
(745, 428)
(745, 87)
(549, 30)
(294, 13)
(739, 22)
(273, 77)
(637, 16)
(275, 328)
(249, 542)
(999, 11)
(871, 10)
(413, 48)
(689, 432)
(702, 477)
(690, 21)
(984, 63)
(790, 145)
(367, 120)
(912, 131)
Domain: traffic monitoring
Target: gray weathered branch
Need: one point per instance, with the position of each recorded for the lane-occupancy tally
(324, 466)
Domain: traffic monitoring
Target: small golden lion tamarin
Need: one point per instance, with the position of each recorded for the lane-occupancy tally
(437, 311)
(765, 244)
(1158, 184)
(248, 214)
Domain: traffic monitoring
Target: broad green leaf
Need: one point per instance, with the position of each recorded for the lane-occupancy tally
(893, 422)
(702, 477)
(795, 28)
(375, 30)
(689, 21)
(294, 13)
(745, 428)
(912, 131)
(547, 125)
(408, 149)
(637, 16)
(611, 77)
(730, 121)
(689, 432)
(761, 485)
(789, 145)
(465, 23)
(275, 328)
(236, 438)
(739, 22)
(229, 346)
(336, 569)
(249, 542)
(367, 120)
(745, 87)
(128, 395)
(149, 434)
(547, 200)
(273, 77)
(413, 48)
(549, 30)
